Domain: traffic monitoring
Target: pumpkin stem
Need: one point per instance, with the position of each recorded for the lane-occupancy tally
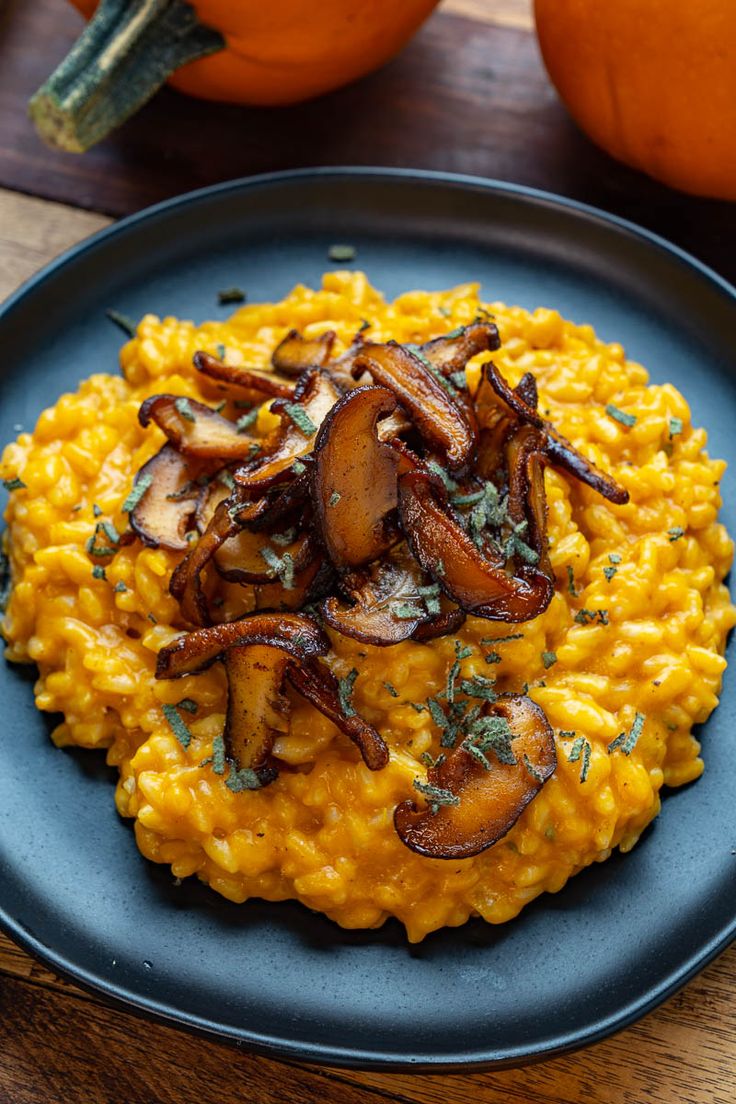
(123, 56)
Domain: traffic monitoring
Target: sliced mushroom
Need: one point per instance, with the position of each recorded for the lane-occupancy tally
(490, 799)
(451, 352)
(259, 381)
(388, 605)
(449, 621)
(315, 397)
(250, 557)
(317, 683)
(526, 389)
(186, 582)
(443, 422)
(193, 652)
(560, 451)
(295, 354)
(354, 487)
(527, 502)
(257, 708)
(164, 511)
(196, 429)
(444, 550)
(308, 585)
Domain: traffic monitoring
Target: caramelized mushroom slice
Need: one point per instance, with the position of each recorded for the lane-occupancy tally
(309, 585)
(186, 581)
(444, 423)
(388, 602)
(257, 708)
(317, 684)
(195, 429)
(193, 652)
(526, 389)
(257, 380)
(295, 354)
(560, 451)
(162, 514)
(525, 460)
(251, 557)
(446, 552)
(451, 352)
(449, 621)
(301, 419)
(490, 799)
(354, 486)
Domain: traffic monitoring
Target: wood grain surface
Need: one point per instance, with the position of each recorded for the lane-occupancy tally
(468, 95)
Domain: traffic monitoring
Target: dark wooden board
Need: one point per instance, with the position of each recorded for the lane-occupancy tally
(465, 96)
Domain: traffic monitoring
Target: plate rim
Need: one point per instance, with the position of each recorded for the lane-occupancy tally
(123, 998)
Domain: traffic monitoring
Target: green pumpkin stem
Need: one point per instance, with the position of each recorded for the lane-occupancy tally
(123, 56)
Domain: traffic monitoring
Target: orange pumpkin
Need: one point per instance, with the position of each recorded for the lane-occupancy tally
(277, 52)
(651, 81)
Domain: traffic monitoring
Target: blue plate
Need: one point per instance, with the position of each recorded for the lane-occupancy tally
(274, 977)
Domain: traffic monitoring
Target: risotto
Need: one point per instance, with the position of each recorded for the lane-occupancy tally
(625, 658)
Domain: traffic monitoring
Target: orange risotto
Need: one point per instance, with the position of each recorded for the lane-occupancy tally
(632, 641)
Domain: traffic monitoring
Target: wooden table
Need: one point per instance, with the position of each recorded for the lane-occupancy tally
(468, 95)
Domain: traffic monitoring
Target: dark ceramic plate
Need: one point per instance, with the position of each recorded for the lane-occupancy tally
(574, 967)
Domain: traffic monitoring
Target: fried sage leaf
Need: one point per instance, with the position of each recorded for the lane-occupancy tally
(196, 429)
(482, 794)
(354, 486)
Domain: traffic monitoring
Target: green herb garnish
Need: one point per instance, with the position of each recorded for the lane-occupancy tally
(335, 498)
(436, 795)
(230, 295)
(627, 741)
(479, 687)
(342, 252)
(345, 692)
(218, 755)
(532, 769)
(620, 415)
(300, 418)
(675, 533)
(245, 421)
(298, 467)
(127, 325)
(609, 572)
(581, 749)
(96, 510)
(501, 639)
(98, 572)
(188, 705)
(391, 689)
(184, 407)
(614, 558)
(120, 587)
(675, 427)
(139, 488)
(177, 725)
(549, 659)
(13, 484)
(571, 582)
(245, 779)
